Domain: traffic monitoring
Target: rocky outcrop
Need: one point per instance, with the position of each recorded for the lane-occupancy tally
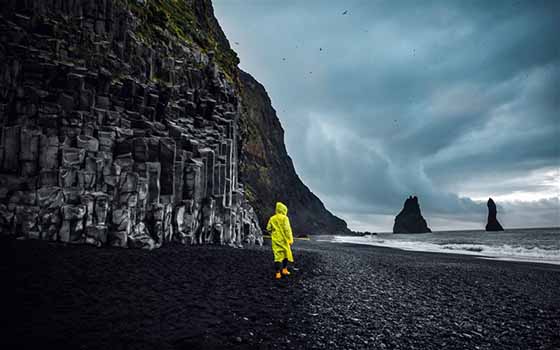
(268, 172)
(410, 219)
(492, 224)
(119, 124)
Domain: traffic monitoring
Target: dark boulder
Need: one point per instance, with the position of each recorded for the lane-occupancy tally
(410, 219)
(492, 224)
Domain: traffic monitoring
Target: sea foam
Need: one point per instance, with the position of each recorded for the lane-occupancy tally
(531, 250)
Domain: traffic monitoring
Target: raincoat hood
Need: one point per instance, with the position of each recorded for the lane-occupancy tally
(281, 208)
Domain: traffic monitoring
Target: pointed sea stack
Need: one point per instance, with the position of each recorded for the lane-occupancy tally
(410, 218)
(493, 224)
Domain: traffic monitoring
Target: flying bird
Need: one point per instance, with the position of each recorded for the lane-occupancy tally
(345, 12)
(237, 43)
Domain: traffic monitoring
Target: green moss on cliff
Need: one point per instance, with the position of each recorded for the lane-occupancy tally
(187, 20)
(249, 195)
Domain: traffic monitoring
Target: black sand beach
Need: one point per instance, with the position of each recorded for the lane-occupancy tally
(340, 297)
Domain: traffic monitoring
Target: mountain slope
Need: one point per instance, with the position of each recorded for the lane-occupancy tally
(267, 171)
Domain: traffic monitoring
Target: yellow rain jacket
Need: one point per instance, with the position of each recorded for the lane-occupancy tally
(281, 234)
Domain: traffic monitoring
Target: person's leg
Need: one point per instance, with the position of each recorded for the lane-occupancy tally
(285, 267)
(278, 268)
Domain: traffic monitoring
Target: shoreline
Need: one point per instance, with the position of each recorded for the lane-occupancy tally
(542, 265)
(423, 249)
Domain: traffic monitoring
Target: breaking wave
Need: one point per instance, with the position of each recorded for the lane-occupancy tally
(543, 254)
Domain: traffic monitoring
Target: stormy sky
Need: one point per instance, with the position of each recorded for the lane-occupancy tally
(452, 101)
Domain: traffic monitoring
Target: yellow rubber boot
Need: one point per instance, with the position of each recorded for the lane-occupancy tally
(285, 271)
(278, 275)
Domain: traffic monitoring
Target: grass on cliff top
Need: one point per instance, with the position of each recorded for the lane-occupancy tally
(180, 19)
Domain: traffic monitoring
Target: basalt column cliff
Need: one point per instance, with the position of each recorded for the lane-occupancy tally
(119, 124)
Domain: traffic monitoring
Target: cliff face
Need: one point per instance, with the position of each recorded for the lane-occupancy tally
(267, 171)
(493, 224)
(119, 124)
(410, 219)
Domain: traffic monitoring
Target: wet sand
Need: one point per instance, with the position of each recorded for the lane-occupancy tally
(341, 296)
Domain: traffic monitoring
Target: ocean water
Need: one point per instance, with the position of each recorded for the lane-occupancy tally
(532, 245)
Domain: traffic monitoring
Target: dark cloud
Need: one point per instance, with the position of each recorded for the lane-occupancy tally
(451, 101)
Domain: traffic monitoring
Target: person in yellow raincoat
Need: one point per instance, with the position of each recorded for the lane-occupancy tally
(281, 235)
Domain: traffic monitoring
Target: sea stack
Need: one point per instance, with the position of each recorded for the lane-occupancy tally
(410, 218)
(492, 224)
